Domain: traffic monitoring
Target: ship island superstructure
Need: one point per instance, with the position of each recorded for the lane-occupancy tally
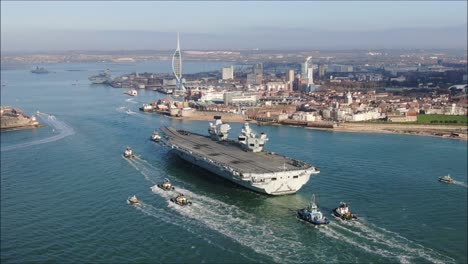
(243, 161)
(101, 78)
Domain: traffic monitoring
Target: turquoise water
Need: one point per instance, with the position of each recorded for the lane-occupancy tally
(63, 193)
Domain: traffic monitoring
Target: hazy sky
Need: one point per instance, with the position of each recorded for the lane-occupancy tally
(37, 25)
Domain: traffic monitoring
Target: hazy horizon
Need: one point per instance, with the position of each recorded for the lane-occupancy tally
(62, 26)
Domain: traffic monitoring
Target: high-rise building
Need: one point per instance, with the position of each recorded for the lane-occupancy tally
(253, 78)
(349, 98)
(307, 72)
(321, 71)
(290, 79)
(258, 68)
(228, 73)
(177, 66)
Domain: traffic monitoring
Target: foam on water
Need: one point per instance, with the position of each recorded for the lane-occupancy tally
(388, 244)
(261, 235)
(168, 217)
(130, 100)
(60, 128)
(128, 111)
(460, 183)
(278, 242)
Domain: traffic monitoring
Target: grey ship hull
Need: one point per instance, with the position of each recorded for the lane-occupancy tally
(262, 172)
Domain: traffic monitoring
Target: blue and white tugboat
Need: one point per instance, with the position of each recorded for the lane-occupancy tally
(343, 212)
(312, 214)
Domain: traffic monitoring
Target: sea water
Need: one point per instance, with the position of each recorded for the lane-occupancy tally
(64, 186)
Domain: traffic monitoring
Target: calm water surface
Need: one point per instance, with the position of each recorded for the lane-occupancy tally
(63, 192)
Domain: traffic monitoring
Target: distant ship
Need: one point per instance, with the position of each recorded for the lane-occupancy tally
(241, 161)
(39, 70)
(101, 78)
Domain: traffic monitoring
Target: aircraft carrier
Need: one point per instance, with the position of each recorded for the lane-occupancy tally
(242, 161)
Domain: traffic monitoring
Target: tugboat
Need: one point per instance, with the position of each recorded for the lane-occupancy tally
(312, 214)
(155, 137)
(128, 153)
(133, 200)
(181, 200)
(166, 185)
(446, 179)
(343, 212)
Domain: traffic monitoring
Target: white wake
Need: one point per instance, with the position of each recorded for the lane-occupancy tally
(261, 235)
(382, 242)
(60, 130)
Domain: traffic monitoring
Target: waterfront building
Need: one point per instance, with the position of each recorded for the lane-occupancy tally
(177, 66)
(228, 73)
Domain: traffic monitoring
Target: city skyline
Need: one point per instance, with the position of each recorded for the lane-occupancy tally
(232, 25)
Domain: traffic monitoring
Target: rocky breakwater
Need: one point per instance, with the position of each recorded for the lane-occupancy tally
(13, 118)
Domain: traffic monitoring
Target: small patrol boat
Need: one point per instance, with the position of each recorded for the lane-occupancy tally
(446, 179)
(312, 214)
(155, 136)
(343, 212)
(133, 200)
(166, 185)
(181, 200)
(128, 153)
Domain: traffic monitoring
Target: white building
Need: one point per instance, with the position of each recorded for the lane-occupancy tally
(307, 72)
(276, 86)
(228, 73)
(236, 98)
(306, 116)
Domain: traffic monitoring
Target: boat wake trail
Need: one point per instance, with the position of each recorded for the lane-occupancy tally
(150, 172)
(380, 241)
(460, 183)
(263, 236)
(131, 100)
(60, 128)
(186, 224)
(128, 111)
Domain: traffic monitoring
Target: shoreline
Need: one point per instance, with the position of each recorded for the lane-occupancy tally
(394, 132)
(21, 128)
(440, 131)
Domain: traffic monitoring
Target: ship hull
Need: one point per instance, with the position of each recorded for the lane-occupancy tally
(288, 182)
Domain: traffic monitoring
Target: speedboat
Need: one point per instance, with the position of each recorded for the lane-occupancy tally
(343, 212)
(312, 214)
(166, 185)
(155, 136)
(181, 200)
(446, 179)
(128, 153)
(133, 200)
